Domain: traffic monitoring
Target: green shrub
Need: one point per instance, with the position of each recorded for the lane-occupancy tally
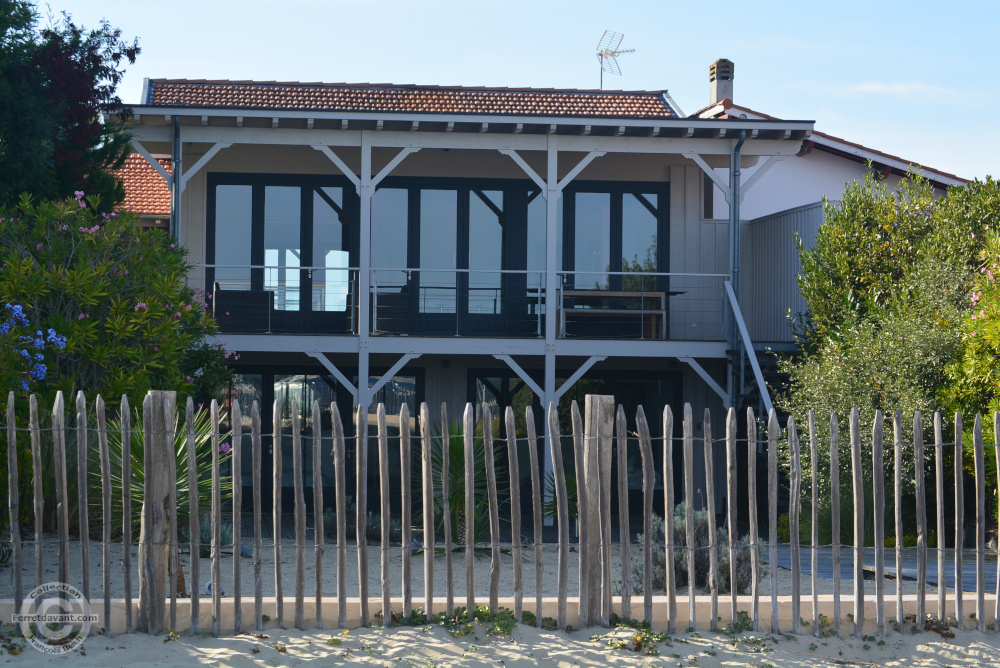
(744, 570)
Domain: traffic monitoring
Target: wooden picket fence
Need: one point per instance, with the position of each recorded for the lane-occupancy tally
(605, 431)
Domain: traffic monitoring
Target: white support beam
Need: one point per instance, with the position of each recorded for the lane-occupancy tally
(761, 171)
(451, 126)
(414, 126)
(274, 123)
(204, 121)
(202, 161)
(393, 370)
(153, 162)
(539, 181)
(341, 165)
(343, 124)
(310, 123)
(586, 130)
(379, 124)
(239, 121)
(573, 173)
(719, 181)
(393, 164)
(485, 128)
(700, 370)
(337, 373)
(195, 134)
(519, 128)
(516, 368)
(577, 375)
(621, 131)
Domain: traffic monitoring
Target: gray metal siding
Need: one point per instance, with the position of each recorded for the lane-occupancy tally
(770, 264)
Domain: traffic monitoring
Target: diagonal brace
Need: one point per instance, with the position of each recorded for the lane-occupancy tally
(700, 370)
(516, 368)
(341, 165)
(337, 373)
(154, 163)
(577, 375)
(712, 174)
(393, 370)
(202, 161)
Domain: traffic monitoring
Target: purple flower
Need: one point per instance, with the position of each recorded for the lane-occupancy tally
(78, 194)
(225, 447)
(39, 246)
(141, 305)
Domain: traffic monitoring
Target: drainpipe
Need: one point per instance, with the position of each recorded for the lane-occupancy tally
(734, 224)
(175, 177)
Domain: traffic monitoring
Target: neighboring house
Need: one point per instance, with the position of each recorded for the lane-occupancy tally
(366, 242)
(787, 200)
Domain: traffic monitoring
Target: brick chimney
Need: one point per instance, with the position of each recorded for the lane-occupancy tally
(720, 81)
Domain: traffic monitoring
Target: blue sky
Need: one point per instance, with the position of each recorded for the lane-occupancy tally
(916, 79)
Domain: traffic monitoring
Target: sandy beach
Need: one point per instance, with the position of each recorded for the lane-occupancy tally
(434, 646)
(482, 571)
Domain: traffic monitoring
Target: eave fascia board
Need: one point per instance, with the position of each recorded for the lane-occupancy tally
(409, 117)
(900, 165)
(464, 141)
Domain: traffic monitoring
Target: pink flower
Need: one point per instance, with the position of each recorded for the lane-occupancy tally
(78, 194)
(227, 312)
(973, 316)
(39, 246)
(82, 316)
(225, 447)
(172, 246)
(177, 315)
(973, 333)
(155, 349)
(141, 305)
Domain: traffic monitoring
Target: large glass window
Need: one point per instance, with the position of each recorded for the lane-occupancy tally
(233, 216)
(438, 250)
(487, 217)
(593, 235)
(330, 221)
(282, 243)
(639, 236)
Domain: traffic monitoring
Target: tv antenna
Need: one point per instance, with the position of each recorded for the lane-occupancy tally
(608, 51)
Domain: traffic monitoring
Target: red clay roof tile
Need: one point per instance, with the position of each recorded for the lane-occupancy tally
(145, 189)
(401, 99)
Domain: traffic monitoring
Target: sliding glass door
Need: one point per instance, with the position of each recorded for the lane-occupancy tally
(287, 243)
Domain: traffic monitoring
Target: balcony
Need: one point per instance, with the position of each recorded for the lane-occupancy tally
(257, 299)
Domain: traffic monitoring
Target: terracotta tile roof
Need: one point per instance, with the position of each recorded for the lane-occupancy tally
(145, 189)
(727, 109)
(407, 99)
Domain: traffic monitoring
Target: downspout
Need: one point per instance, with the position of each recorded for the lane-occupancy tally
(175, 177)
(736, 370)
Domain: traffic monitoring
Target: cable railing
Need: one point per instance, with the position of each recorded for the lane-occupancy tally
(501, 303)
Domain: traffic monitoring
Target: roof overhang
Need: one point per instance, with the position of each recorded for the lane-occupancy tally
(343, 128)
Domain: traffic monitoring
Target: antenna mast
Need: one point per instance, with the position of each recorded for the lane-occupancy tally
(608, 50)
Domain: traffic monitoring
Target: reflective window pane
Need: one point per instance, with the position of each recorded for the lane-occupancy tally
(487, 217)
(282, 255)
(593, 236)
(330, 286)
(438, 250)
(638, 240)
(233, 209)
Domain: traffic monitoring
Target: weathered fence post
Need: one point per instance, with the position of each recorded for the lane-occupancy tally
(713, 548)
(731, 511)
(939, 503)
(959, 523)
(754, 533)
(599, 413)
(648, 479)
(562, 511)
(835, 517)
(980, 526)
(689, 529)
(668, 513)
(624, 533)
(794, 512)
(918, 474)
(536, 508)
(859, 523)
(772, 517)
(160, 480)
(15, 508)
(878, 483)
